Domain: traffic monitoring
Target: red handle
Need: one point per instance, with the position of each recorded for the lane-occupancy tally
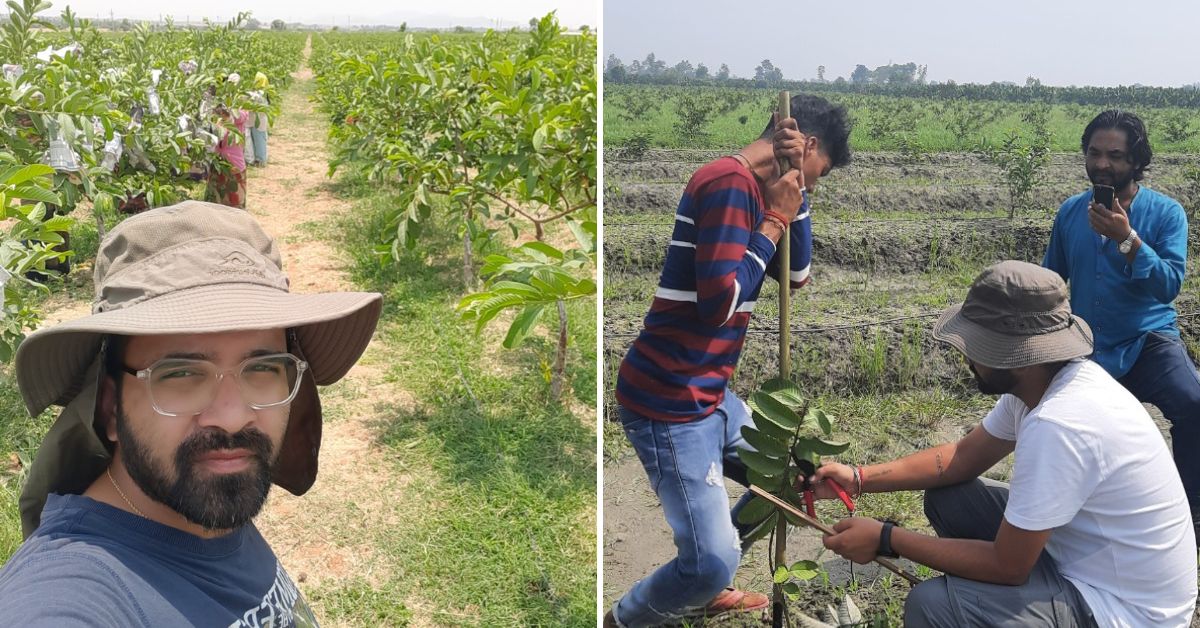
(809, 504)
(842, 494)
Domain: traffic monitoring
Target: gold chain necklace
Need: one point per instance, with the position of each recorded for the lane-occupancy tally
(122, 494)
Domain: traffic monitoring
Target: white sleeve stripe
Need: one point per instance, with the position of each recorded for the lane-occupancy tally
(800, 217)
(748, 306)
(688, 245)
(737, 292)
(757, 259)
(682, 218)
(672, 294)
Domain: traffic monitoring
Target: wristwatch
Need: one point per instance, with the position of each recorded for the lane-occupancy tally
(1127, 245)
(885, 540)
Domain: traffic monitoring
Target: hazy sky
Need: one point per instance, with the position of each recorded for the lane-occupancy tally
(1061, 42)
(440, 13)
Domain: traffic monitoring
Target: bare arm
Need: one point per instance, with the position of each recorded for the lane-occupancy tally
(1007, 560)
(942, 465)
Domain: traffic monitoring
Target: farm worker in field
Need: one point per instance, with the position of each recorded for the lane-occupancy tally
(675, 404)
(227, 170)
(256, 139)
(1125, 266)
(189, 391)
(1093, 529)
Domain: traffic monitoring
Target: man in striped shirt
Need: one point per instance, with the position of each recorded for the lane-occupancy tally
(675, 404)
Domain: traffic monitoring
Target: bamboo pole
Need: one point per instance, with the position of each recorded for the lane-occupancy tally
(828, 531)
(784, 251)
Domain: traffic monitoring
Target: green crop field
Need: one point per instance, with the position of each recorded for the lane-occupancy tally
(898, 236)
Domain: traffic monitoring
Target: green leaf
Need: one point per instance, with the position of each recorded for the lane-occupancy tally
(804, 570)
(769, 428)
(822, 420)
(785, 391)
(522, 325)
(34, 193)
(764, 443)
(792, 590)
(770, 484)
(761, 530)
(775, 410)
(781, 575)
(763, 464)
(755, 511)
(28, 172)
(822, 447)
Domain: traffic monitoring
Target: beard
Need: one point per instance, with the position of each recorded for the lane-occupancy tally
(216, 502)
(1000, 382)
(1099, 178)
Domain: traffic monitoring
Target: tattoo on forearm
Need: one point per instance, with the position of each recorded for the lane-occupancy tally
(941, 469)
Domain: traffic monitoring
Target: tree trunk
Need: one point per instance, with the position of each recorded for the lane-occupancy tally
(468, 263)
(560, 358)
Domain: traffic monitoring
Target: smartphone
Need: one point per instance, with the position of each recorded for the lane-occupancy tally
(1103, 194)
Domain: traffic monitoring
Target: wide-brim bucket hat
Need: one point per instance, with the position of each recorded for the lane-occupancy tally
(1016, 314)
(189, 268)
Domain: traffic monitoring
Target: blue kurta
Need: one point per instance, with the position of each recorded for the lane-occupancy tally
(1122, 302)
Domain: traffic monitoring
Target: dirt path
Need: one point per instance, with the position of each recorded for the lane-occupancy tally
(327, 538)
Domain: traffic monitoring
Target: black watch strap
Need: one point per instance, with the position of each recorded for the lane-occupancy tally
(885, 541)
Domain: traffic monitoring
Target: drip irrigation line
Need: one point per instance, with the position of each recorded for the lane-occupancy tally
(631, 223)
(817, 330)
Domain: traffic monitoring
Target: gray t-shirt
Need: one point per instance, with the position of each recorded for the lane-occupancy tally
(89, 564)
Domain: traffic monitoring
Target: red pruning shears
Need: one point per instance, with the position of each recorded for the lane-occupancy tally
(805, 486)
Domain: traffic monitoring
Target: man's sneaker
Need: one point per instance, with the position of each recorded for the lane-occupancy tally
(732, 600)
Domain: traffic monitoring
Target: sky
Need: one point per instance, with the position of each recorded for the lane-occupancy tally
(439, 14)
(1060, 42)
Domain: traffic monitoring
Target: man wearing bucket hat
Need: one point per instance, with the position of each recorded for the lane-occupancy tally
(189, 390)
(1094, 528)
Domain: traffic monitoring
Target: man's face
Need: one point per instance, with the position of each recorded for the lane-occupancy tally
(1107, 159)
(817, 164)
(213, 468)
(992, 381)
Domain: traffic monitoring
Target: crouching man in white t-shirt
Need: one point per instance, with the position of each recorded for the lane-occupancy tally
(1094, 529)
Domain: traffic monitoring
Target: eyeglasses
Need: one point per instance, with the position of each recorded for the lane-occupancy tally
(182, 387)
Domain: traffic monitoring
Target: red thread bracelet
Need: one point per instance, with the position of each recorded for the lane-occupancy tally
(770, 213)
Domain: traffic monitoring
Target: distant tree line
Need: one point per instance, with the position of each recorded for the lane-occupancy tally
(904, 80)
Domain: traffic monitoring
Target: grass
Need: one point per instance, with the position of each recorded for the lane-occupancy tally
(506, 477)
(20, 435)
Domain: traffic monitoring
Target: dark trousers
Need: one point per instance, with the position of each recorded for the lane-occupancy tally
(973, 510)
(1165, 377)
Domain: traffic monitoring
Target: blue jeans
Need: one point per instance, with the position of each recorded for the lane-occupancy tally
(1165, 377)
(256, 142)
(686, 464)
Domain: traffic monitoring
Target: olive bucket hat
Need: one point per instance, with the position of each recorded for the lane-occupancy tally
(189, 268)
(1016, 314)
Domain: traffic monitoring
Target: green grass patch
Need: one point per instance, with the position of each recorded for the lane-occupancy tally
(506, 476)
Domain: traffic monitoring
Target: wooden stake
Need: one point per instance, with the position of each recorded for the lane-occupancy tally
(783, 252)
(828, 531)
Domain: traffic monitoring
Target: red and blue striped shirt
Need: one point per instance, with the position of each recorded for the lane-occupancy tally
(679, 365)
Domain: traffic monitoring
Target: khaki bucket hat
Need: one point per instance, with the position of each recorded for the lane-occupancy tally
(189, 268)
(1016, 314)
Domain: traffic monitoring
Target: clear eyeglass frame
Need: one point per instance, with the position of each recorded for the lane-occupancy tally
(219, 375)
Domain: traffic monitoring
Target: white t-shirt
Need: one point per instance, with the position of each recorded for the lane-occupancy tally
(1091, 464)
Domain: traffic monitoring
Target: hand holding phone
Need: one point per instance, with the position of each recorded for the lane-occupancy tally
(1104, 194)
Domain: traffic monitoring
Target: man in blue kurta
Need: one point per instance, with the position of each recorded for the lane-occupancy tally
(1125, 266)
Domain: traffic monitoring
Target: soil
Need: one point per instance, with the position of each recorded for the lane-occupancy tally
(943, 184)
(637, 540)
